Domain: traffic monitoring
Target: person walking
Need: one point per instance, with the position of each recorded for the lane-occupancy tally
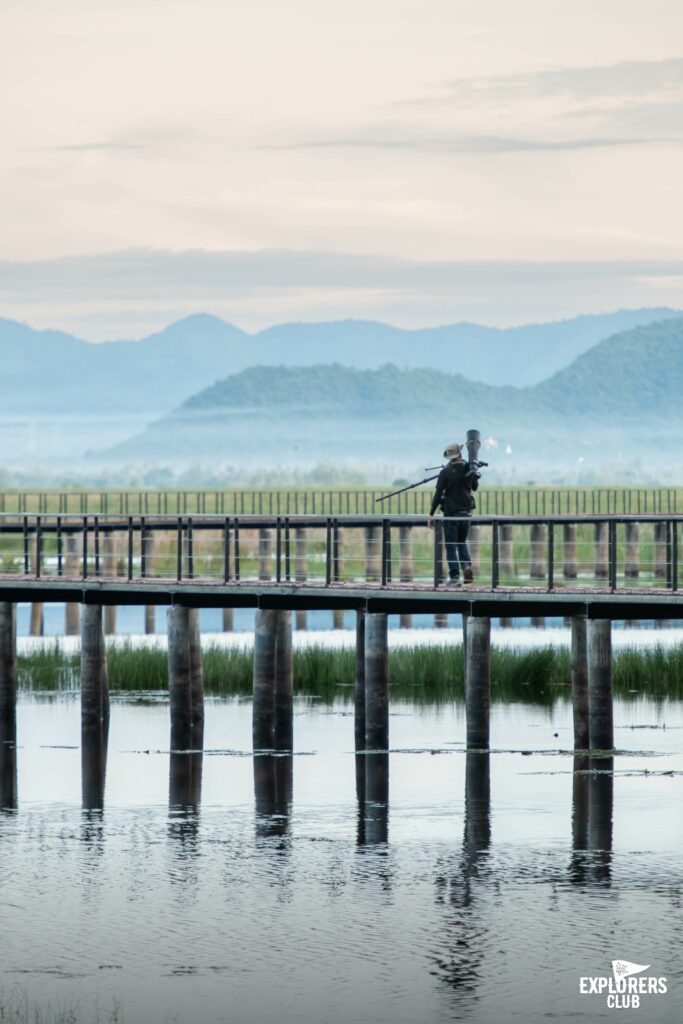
(453, 494)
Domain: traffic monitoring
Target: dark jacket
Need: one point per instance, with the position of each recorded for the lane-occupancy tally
(453, 492)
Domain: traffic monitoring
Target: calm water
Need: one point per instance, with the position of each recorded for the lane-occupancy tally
(228, 888)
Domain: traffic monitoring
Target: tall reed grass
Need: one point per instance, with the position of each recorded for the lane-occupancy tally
(420, 674)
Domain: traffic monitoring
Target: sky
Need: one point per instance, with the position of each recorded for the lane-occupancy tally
(416, 161)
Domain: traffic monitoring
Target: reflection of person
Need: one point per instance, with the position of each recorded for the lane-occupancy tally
(453, 493)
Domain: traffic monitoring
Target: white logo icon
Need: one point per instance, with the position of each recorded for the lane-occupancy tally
(624, 968)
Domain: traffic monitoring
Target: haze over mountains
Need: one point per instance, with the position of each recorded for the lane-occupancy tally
(608, 406)
(347, 393)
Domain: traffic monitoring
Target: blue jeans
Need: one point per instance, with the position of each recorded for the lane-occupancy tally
(457, 555)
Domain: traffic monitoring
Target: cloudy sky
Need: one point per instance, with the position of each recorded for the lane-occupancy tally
(417, 161)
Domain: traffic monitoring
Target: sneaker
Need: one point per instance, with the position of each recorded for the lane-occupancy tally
(468, 574)
(453, 583)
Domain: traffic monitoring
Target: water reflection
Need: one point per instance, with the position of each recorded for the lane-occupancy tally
(8, 759)
(463, 940)
(94, 740)
(592, 817)
(372, 792)
(273, 790)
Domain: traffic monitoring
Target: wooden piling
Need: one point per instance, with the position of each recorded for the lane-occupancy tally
(8, 661)
(538, 546)
(180, 677)
(441, 620)
(147, 548)
(579, 663)
(473, 546)
(338, 618)
(196, 680)
(373, 554)
(109, 570)
(376, 682)
(265, 651)
(601, 551)
(265, 554)
(359, 688)
(283, 729)
(72, 568)
(632, 551)
(301, 570)
(660, 550)
(94, 689)
(36, 623)
(506, 552)
(228, 620)
(570, 568)
(478, 685)
(600, 704)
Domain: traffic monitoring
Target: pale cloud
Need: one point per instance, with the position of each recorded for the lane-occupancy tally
(131, 293)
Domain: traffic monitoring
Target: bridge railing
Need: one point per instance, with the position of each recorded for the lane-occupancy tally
(492, 500)
(547, 553)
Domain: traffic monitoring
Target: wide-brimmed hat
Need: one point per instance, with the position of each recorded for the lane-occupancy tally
(453, 451)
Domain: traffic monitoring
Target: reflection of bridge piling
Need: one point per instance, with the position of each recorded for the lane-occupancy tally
(8, 705)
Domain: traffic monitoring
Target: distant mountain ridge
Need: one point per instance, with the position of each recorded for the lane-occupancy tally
(627, 388)
(52, 372)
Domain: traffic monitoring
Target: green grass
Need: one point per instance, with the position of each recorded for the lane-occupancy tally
(421, 674)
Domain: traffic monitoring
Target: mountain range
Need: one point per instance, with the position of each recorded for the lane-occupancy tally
(49, 372)
(623, 393)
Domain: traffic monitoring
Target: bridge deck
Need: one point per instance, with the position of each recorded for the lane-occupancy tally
(634, 603)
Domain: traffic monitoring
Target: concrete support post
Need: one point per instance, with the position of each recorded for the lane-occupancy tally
(338, 618)
(265, 652)
(180, 677)
(579, 656)
(94, 689)
(109, 569)
(36, 625)
(506, 553)
(441, 620)
(601, 551)
(265, 554)
(632, 551)
(283, 731)
(405, 554)
(600, 711)
(228, 620)
(376, 682)
(538, 547)
(660, 550)
(478, 682)
(147, 546)
(473, 546)
(300, 571)
(72, 568)
(569, 545)
(373, 554)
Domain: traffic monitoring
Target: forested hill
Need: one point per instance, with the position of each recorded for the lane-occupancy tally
(633, 374)
(638, 372)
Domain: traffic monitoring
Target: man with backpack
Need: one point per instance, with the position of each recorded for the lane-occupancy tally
(453, 494)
